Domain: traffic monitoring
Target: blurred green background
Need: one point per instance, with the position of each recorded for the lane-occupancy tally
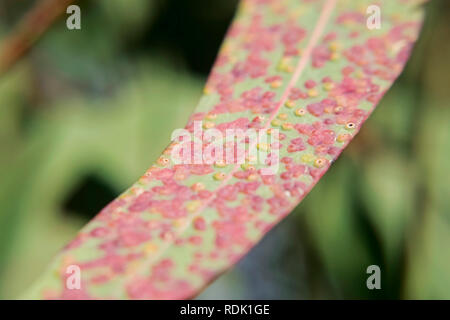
(86, 112)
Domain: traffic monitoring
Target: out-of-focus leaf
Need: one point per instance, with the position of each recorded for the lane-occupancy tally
(337, 233)
(127, 16)
(428, 257)
(314, 70)
(394, 119)
(96, 52)
(389, 188)
(428, 254)
(12, 93)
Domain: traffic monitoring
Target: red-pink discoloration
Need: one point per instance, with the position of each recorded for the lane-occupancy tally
(178, 227)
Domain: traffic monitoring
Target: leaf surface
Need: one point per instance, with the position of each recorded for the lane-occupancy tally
(311, 69)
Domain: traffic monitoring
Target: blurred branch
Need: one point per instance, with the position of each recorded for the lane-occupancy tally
(33, 25)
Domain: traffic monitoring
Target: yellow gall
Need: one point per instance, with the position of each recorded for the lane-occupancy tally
(150, 248)
(178, 223)
(328, 86)
(338, 109)
(300, 112)
(193, 206)
(289, 69)
(207, 90)
(328, 109)
(350, 125)
(167, 152)
(211, 116)
(163, 161)
(335, 56)
(343, 137)
(320, 162)
(249, 167)
(307, 158)
(220, 164)
(219, 176)
(285, 66)
(208, 125)
(147, 174)
(359, 74)
(289, 104)
(313, 93)
(198, 186)
(262, 146)
(276, 123)
(334, 46)
(276, 84)
(282, 116)
(287, 126)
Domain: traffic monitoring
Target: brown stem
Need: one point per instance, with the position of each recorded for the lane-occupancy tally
(34, 24)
